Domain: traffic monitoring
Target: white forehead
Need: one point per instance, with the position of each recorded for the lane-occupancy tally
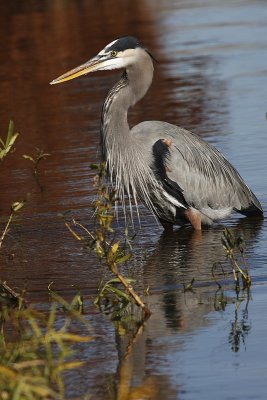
(105, 50)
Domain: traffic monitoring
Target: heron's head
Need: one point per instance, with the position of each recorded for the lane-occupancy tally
(121, 53)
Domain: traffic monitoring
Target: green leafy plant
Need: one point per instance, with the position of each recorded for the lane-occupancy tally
(189, 287)
(41, 155)
(109, 251)
(234, 247)
(35, 351)
(7, 145)
(15, 207)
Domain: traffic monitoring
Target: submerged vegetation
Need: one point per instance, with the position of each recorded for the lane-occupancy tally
(240, 326)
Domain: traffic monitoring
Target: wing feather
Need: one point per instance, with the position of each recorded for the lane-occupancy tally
(205, 177)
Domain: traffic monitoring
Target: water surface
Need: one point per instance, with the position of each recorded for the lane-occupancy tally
(212, 79)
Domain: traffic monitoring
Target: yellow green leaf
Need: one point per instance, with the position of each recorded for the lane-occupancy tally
(17, 205)
(28, 158)
(115, 247)
(8, 372)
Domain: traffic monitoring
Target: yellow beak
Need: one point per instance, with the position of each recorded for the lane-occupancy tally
(89, 66)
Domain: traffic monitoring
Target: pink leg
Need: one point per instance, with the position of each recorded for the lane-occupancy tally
(194, 217)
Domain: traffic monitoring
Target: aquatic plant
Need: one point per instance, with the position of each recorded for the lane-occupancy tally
(7, 147)
(234, 248)
(8, 144)
(40, 155)
(109, 250)
(189, 287)
(36, 350)
(15, 207)
(240, 326)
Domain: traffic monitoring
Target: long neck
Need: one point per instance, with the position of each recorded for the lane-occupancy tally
(120, 149)
(132, 86)
(114, 124)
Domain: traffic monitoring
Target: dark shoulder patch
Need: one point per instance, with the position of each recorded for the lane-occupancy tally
(160, 152)
(124, 43)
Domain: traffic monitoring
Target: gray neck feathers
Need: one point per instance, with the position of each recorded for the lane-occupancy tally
(128, 165)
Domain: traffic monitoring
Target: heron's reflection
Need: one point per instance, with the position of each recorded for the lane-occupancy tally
(178, 258)
(183, 256)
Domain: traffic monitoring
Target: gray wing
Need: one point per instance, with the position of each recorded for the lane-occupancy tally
(202, 175)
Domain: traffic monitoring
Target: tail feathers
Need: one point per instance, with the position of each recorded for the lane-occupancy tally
(253, 209)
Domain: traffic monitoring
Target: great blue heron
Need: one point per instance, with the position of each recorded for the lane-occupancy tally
(177, 175)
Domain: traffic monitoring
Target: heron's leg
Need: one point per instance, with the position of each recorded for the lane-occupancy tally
(194, 217)
(168, 226)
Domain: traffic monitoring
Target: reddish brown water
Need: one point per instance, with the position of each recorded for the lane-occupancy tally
(212, 79)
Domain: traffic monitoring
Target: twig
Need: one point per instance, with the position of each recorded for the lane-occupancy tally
(134, 295)
(6, 228)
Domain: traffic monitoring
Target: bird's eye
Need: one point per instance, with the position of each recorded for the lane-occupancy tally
(113, 53)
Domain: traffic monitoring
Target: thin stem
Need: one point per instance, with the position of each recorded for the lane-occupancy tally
(134, 295)
(6, 229)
